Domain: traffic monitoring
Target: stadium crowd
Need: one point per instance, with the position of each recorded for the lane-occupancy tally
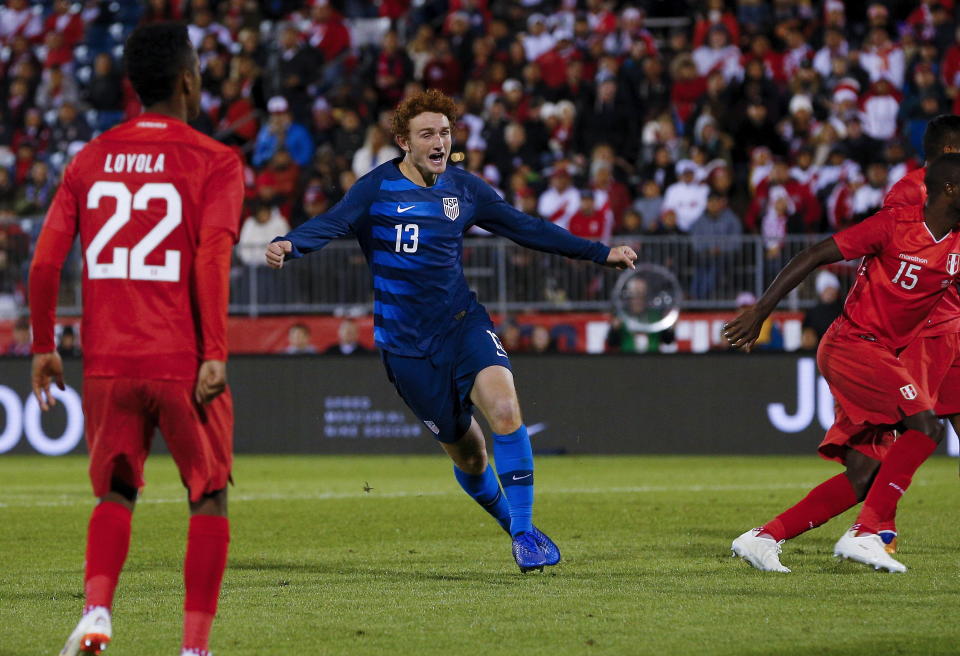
(608, 118)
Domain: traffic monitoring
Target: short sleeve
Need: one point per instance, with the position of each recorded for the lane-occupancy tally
(867, 237)
(223, 194)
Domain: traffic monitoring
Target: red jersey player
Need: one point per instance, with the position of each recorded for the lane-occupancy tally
(157, 206)
(933, 358)
(911, 257)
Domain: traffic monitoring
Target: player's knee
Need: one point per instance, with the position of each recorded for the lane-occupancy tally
(473, 463)
(928, 424)
(936, 432)
(212, 503)
(504, 416)
(120, 487)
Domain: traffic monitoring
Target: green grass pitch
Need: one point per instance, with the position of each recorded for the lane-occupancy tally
(319, 566)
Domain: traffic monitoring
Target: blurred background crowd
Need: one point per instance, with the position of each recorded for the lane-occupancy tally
(711, 118)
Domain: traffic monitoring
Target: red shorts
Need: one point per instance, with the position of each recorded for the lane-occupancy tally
(872, 441)
(122, 415)
(873, 390)
(934, 362)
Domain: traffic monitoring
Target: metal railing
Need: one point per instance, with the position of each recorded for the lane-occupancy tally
(509, 278)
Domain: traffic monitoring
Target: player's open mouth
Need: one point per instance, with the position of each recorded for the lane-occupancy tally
(436, 158)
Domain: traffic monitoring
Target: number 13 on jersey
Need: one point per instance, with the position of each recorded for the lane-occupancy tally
(413, 234)
(132, 263)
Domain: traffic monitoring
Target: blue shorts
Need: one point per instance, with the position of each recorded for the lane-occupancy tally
(437, 388)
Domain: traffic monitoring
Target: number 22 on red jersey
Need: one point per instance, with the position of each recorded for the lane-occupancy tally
(132, 263)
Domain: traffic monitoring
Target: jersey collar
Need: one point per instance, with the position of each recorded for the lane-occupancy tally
(396, 165)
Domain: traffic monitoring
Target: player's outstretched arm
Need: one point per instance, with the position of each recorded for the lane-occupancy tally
(743, 331)
(317, 232)
(47, 368)
(501, 218)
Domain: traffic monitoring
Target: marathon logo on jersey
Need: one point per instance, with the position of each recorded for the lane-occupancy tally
(432, 426)
(953, 263)
(451, 207)
(909, 392)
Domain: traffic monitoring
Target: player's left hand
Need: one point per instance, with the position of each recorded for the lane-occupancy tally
(276, 252)
(211, 381)
(621, 257)
(47, 367)
(742, 332)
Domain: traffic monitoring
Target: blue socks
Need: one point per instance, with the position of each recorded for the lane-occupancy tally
(514, 459)
(485, 490)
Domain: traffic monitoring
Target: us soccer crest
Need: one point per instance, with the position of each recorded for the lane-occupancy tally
(953, 263)
(451, 207)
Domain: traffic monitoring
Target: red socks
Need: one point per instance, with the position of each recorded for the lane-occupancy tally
(827, 500)
(108, 540)
(904, 458)
(203, 568)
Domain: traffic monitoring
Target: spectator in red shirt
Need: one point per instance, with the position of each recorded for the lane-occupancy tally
(236, 116)
(442, 70)
(589, 221)
(26, 156)
(56, 52)
(394, 68)
(328, 33)
(801, 201)
(687, 89)
(615, 194)
(716, 14)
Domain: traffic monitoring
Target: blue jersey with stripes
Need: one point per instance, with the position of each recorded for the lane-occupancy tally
(412, 238)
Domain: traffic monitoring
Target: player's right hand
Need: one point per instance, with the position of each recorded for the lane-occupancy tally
(742, 332)
(277, 251)
(211, 381)
(47, 367)
(622, 257)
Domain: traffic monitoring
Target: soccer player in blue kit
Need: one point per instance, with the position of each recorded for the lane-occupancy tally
(436, 341)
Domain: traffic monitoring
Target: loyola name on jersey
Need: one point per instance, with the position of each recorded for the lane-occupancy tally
(133, 163)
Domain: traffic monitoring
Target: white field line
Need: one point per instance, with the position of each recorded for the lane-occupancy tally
(28, 501)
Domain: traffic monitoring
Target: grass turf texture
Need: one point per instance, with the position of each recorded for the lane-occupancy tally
(319, 566)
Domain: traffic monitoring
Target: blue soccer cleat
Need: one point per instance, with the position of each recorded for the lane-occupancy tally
(550, 550)
(527, 553)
